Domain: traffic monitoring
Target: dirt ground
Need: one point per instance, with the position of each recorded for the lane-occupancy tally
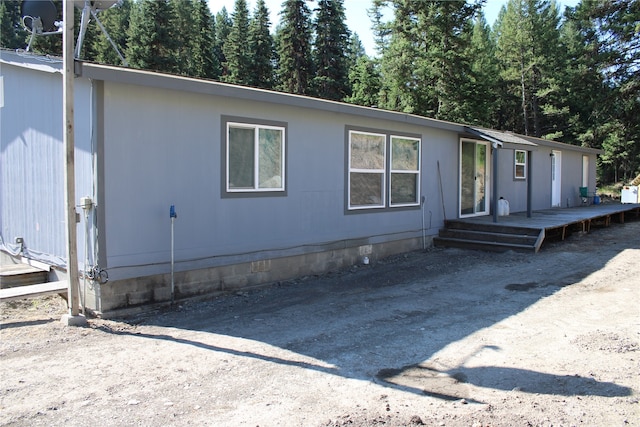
(444, 337)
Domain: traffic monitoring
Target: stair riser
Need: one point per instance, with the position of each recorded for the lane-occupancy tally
(478, 245)
(489, 237)
(491, 228)
(13, 280)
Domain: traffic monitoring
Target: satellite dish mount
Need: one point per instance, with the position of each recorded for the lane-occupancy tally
(39, 19)
(91, 8)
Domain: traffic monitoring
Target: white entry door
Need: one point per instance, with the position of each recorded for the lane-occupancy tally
(556, 179)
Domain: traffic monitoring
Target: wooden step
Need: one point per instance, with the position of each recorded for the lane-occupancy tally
(13, 275)
(485, 236)
(481, 245)
(491, 227)
(28, 291)
(489, 236)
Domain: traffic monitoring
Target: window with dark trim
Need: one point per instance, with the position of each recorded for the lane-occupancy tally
(520, 164)
(383, 170)
(254, 157)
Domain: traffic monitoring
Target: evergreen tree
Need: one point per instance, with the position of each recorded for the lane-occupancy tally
(183, 20)
(12, 33)
(331, 50)
(356, 50)
(483, 95)
(116, 22)
(236, 47)
(400, 55)
(262, 48)
(381, 30)
(365, 82)
(151, 39)
(604, 82)
(587, 89)
(618, 25)
(444, 32)
(528, 50)
(205, 61)
(223, 25)
(195, 41)
(423, 63)
(294, 47)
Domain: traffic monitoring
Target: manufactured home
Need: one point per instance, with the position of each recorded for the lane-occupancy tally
(224, 187)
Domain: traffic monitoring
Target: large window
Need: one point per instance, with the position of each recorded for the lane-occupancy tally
(255, 158)
(520, 164)
(373, 174)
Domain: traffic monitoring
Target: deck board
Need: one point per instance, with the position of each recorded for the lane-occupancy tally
(40, 289)
(544, 223)
(556, 218)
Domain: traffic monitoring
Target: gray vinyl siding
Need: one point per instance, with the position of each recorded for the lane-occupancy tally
(146, 141)
(163, 147)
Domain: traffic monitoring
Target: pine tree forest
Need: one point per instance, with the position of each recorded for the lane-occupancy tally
(570, 75)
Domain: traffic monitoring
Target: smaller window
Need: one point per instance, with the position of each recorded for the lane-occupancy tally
(255, 157)
(405, 171)
(520, 171)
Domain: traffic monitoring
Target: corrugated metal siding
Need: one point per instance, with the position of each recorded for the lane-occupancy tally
(32, 160)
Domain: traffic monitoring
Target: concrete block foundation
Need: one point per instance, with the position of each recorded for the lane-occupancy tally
(128, 296)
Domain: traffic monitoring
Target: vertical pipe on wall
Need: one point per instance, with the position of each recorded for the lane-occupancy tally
(173, 216)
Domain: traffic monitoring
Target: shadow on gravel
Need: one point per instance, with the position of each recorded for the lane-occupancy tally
(27, 323)
(448, 385)
(230, 351)
(397, 312)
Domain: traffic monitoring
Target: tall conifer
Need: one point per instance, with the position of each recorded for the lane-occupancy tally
(116, 21)
(294, 47)
(151, 37)
(528, 50)
(262, 48)
(12, 34)
(223, 25)
(236, 47)
(331, 50)
(365, 82)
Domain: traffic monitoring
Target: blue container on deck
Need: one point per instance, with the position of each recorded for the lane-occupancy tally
(596, 200)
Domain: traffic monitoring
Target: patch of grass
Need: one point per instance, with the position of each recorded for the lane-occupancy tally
(611, 190)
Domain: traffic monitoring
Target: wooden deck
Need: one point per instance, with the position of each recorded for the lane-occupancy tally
(482, 233)
(563, 217)
(28, 291)
(18, 281)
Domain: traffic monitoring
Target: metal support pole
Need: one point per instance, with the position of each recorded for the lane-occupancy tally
(71, 219)
(424, 239)
(529, 184)
(495, 182)
(84, 23)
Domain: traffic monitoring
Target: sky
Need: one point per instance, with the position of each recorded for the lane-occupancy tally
(356, 12)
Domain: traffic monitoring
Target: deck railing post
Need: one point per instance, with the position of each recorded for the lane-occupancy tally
(529, 184)
(495, 182)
